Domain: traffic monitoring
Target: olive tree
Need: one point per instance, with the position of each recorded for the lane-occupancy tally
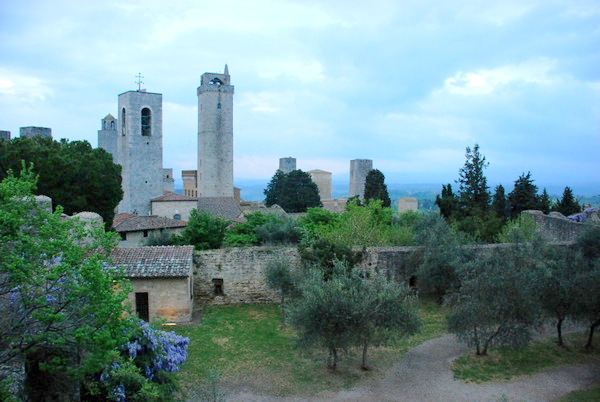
(279, 276)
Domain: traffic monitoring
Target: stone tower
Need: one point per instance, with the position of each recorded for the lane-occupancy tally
(31, 132)
(108, 137)
(359, 168)
(140, 150)
(215, 135)
(288, 164)
(323, 181)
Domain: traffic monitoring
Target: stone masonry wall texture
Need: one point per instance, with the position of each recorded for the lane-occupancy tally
(359, 168)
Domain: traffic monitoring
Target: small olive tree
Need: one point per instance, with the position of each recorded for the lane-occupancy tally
(280, 277)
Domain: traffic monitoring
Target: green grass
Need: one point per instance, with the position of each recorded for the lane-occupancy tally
(504, 364)
(245, 344)
(591, 394)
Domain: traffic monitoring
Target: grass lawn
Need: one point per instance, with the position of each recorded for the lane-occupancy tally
(504, 364)
(245, 344)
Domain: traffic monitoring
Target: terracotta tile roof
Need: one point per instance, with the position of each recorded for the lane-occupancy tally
(154, 261)
(118, 218)
(169, 196)
(222, 207)
(109, 117)
(136, 222)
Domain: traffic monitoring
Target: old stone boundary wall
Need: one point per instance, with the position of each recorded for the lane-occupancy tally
(241, 271)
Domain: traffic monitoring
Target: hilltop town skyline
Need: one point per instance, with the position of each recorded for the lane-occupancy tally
(409, 88)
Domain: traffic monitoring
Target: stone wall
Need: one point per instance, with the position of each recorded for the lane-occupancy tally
(359, 168)
(557, 227)
(170, 208)
(169, 299)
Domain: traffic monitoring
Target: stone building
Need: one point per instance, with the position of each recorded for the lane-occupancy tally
(140, 150)
(323, 181)
(108, 136)
(215, 135)
(288, 164)
(31, 132)
(190, 183)
(173, 205)
(4, 135)
(162, 280)
(359, 168)
(168, 180)
(408, 204)
(137, 230)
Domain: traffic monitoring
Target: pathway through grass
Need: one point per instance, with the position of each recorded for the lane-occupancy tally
(245, 344)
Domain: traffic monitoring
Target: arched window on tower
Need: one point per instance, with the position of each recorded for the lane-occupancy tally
(146, 120)
(112, 125)
(123, 121)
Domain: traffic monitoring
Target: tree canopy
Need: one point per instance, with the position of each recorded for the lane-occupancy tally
(473, 194)
(73, 174)
(523, 196)
(375, 188)
(568, 205)
(294, 191)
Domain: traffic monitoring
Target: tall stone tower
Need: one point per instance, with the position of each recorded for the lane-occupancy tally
(288, 164)
(215, 135)
(108, 136)
(140, 150)
(359, 168)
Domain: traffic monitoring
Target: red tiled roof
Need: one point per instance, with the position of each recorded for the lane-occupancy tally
(136, 222)
(169, 196)
(154, 261)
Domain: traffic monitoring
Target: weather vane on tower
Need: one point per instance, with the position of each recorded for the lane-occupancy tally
(139, 81)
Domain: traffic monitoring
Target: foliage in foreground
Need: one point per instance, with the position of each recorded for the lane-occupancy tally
(279, 276)
(203, 231)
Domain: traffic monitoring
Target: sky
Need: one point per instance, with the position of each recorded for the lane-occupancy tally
(408, 84)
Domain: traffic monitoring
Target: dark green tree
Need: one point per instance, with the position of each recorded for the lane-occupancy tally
(294, 192)
(544, 202)
(523, 197)
(448, 202)
(473, 194)
(203, 231)
(73, 174)
(375, 187)
(499, 202)
(568, 205)
(280, 277)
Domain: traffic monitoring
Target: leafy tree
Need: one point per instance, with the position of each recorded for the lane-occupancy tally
(495, 303)
(324, 254)
(294, 192)
(473, 194)
(318, 220)
(384, 310)
(523, 197)
(448, 202)
(375, 188)
(203, 231)
(499, 202)
(568, 205)
(280, 277)
(58, 296)
(521, 229)
(441, 257)
(244, 234)
(73, 174)
(279, 231)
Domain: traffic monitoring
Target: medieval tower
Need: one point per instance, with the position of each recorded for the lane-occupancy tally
(140, 150)
(215, 135)
(359, 168)
(108, 136)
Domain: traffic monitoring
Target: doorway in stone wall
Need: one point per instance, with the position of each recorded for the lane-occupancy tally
(141, 306)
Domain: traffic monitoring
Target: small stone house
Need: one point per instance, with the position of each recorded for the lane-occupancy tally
(162, 280)
(173, 205)
(137, 230)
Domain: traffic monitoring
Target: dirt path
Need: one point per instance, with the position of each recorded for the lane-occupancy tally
(424, 375)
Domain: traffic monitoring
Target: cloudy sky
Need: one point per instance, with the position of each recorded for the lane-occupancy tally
(408, 84)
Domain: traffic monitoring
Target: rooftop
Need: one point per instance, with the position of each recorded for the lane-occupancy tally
(154, 261)
(169, 196)
(137, 222)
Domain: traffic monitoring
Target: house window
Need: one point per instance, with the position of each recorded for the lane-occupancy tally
(177, 216)
(146, 120)
(218, 286)
(123, 119)
(123, 235)
(145, 233)
(219, 105)
(141, 306)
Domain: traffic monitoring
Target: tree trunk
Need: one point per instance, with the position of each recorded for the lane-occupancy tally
(364, 356)
(476, 341)
(588, 345)
(559, 330)
(282, 311)
(334, 362)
